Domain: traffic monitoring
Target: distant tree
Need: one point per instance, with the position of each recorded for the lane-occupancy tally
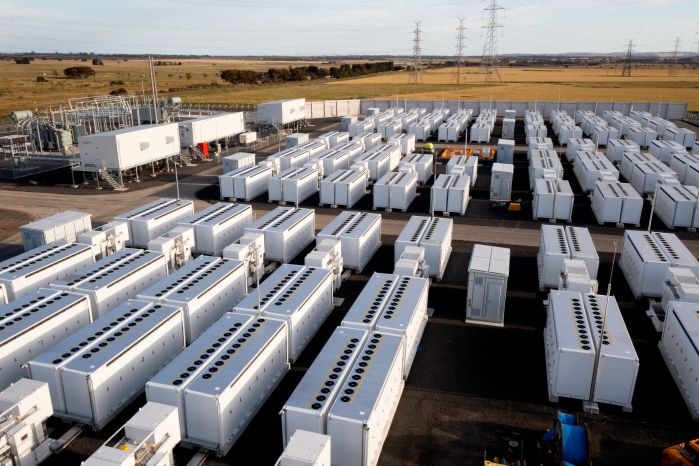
(118, 82)
(240, 76)
(120, 91)
(22, 61)
(54, 72)
(41, 79)
(97, 62)
(83, 59)
(335, 72)
(78, 72)
(188, 76)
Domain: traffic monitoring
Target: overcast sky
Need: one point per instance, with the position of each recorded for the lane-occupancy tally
(330, 27)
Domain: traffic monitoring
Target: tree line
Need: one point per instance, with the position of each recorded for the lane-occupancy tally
(303, 73)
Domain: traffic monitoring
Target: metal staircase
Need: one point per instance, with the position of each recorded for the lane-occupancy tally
(105, 176)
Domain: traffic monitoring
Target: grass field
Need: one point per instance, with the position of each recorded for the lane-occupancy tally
(19, 89)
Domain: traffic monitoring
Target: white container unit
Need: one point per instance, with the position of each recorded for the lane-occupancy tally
(250, 250)
(361, 127)
(469, 164)
(480, 132)
(394, 154)
(590, 171)
(663, 150)
(37, 268)
(211, 128)
(644, 176)
(296, 139)
(308, 406)
(299, 295)
(488, 271)
(293, 158)
(287, 232)
(346, 121)
(539, 144)
(678, 347)
(238, 160)
(63, 226)
(247, 137)
(360, 234)
(506, 150)
(434, 234)
(642, 136)
(106, 239)
(205, 289)
(86, 372)
(617, 203)
(631, 158)
(368, 141)
(392, 304)
(569, 348)
(334, 159)
(127, 148)
(25, 407)
(553, 199)
(615, 378)
(423, 164)
(501, 182)
(395, 191)
(115, 279)
(406, 142)
(508, 128)
(643, 263)
(680, 285)
(306, 449)
(378, 162)
(343, 188)
(148, 438)
(680, 163)
(293, 185)
(389, 129)
(332, 139)
(676, 205)
(553, 251)
(33, 323)
(583, 248)
(576, 145)
(450, 194)
(280, 112)
(353, 149)
(681, 136)
(218, 225)
(692, 175)
(245, 183)
(154, 219)
(360, 419)
(676, 252)
(544, 165)
(602, 133)
(176, 245)
(617, 147)
(218, 395)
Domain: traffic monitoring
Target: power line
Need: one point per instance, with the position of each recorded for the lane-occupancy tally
(490, 48)
(459, 51)
(417, 54)
(675, 57)
(626, 72)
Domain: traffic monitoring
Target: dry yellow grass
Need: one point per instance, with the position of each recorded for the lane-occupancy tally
(19, 89)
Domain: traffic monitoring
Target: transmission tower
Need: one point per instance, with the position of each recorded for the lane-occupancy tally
(490, 48)
(627, 63)
(675, 57)
(417, 54)
(459, 51)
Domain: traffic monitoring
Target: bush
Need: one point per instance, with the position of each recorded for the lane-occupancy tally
(78, 72)
(22, 61)
(118, 82)
(120, 91)
(97, 61)
(41, 79)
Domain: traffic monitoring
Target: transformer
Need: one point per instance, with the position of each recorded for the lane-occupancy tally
(176, 245)
(411, 263)
(680, 285)
(250, 250)
(306, 449)
(488, 271)
(501, 182)
(575, 277)
(107, 239)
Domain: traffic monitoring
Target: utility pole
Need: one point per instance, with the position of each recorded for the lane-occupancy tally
(459, 51)
(626, 72)
(417, 54)
(490, 48)
(675, 57)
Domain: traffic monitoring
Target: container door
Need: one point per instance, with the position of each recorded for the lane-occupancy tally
(493, 296)
(476, 297)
